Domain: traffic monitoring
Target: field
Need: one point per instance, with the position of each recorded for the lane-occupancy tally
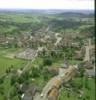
(6, 62)
(88, 93)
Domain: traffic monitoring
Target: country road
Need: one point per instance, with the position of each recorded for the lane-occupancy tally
(27, 66)
(58, 39)
(87, 54)
(69, 73)
(87, 50)
(46, 89)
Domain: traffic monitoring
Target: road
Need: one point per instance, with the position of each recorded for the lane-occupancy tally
(87, 54)
(27, 66)
(46, 89)
(63, 78)
(58, 39)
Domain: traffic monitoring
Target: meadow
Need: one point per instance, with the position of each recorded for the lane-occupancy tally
(6, 62)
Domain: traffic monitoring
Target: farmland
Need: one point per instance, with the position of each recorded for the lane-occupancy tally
(6, 62)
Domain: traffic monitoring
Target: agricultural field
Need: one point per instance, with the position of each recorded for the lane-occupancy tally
(8, 62)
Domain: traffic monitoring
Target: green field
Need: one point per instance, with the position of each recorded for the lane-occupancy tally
(6, 62)
(88, 93)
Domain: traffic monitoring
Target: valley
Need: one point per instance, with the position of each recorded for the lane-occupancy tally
(47, 56)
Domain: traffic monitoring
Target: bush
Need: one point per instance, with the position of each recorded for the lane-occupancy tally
(35, 72)
(47, 61)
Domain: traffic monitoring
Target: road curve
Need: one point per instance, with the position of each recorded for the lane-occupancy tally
(63, 78)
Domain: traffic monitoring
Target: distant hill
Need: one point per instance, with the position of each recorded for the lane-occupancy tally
(76, 14)
(47, 11)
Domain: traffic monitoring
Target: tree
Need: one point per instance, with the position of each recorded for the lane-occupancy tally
(1, 80)
(35, 72)
(86, 83)
(68, 94)
(82, 72)
(1, 90)
(47, 61)
(13, 79)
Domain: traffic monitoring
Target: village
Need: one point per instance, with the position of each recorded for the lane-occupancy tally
(47, 56)
(39, 46)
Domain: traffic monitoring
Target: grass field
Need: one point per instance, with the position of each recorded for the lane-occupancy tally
(6, 62)
(6, 89)
(89, 94)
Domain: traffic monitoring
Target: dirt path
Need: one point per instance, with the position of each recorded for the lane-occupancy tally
(58, 39)
(87, 54)
(27, 66)
(64, 78)
(87, 51)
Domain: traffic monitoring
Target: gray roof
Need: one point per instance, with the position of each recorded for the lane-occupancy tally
(27, 97)
(91, 73)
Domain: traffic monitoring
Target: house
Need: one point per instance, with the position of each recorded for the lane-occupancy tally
(29, 92)
(90, 73)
